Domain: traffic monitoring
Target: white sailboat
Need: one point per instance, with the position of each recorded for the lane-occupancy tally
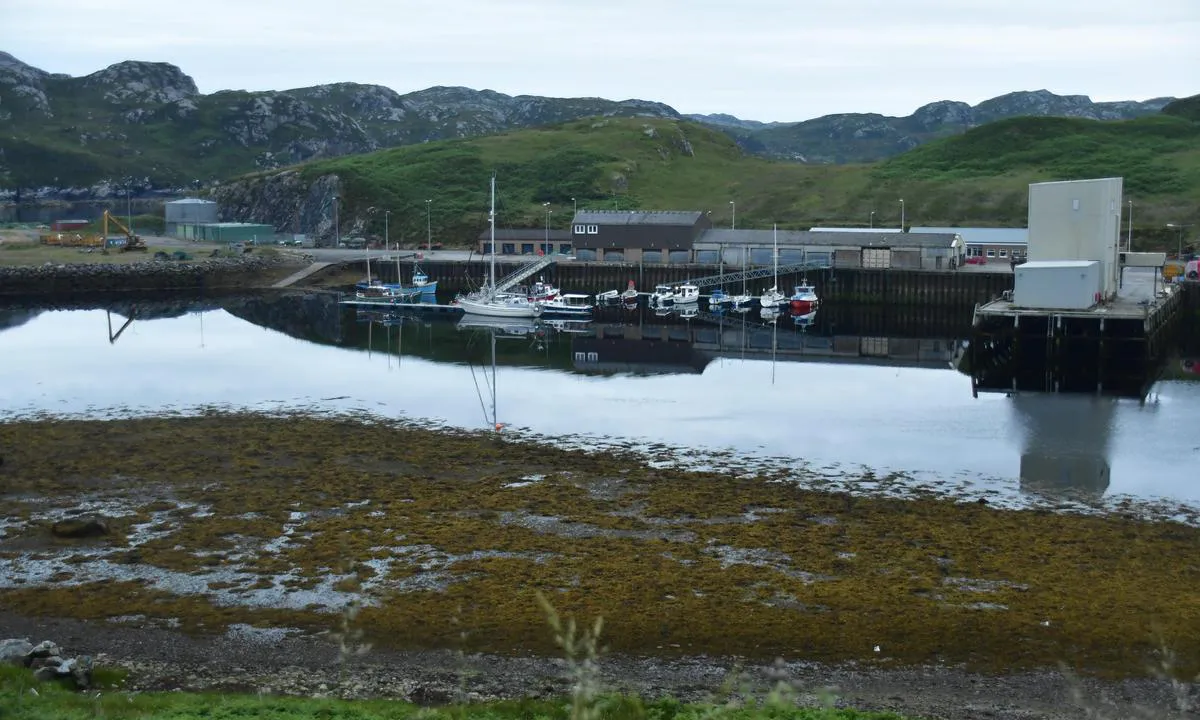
(743, 300)
(486, 301)
(772, 298)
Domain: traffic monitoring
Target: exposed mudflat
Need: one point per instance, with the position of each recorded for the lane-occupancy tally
(235, 541)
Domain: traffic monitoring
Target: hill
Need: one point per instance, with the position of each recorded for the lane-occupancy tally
(145, 125)
(978, 178)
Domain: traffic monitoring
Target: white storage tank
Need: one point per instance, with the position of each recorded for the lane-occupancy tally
(1057, 284)
(190, 211)
(1078, 220)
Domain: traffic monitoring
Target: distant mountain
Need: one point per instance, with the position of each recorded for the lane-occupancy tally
(867, 137)
(146, 125)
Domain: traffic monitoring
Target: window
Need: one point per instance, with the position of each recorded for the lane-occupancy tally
(614, 256)
(487, 248)
(593, 229)
(708, 257)
(652, 256)
(508, 249)
(679, 257)
(580, 229)
(585, 255)
(991, 253)
(1003, 253)
(565, 248)
(526, 248)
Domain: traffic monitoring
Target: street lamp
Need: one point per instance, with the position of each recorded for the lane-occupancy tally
(1129, 233)
(546, 245)
(575, 205)
(732, 215)
(1179, 227)
(385, 228)
(337, 233)
(901, 214)
(872, 219)
(428, 227)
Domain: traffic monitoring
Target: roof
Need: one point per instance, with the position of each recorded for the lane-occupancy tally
(983, 235)
(764, 238)
(686, 218)
(190, 201)
(1035, 264)
(854, 229)
(234, 225)
(525, 234)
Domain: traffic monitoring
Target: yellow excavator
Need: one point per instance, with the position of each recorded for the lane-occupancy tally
(132, 242)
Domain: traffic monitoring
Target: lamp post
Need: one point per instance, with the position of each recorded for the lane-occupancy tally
(575, 206)
(872, 219)
(1129, 232)
(546, 244)
(337, 233)
(732, 215)
(1179, 229)
(428, 227)
(129, 202)
(385, 228)
(901, 214)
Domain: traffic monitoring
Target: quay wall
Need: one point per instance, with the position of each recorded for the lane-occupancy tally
(842, 285)
(55, 280)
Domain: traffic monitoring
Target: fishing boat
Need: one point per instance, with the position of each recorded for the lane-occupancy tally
(686, 294)
(421, 281)
(662, 296)
(569, 304)
(630, 295)
(771, 297)
(804, 297)
(487, 301)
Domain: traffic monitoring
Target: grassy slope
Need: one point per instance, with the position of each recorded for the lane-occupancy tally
(977, 178)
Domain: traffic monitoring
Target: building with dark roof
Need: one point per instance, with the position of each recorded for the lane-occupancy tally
(526, 241)
(992, 244)
(682, 237)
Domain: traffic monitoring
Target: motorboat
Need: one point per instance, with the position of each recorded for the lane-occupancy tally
(741, 302)
(718, 298)
(570, 304)
(663, 295)
(686, 294)
(630, 295)
(804, 297)
(542, 291)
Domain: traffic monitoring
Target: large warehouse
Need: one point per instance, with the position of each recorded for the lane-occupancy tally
(688, 237)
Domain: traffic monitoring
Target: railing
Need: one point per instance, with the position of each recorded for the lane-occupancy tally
(523, 272)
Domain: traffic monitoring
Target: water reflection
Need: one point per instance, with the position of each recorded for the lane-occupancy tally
(1067, 437)
(881, 382)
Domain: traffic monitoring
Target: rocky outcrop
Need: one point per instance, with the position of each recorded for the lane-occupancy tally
(78, 279)
(289, 200)
(47, 662)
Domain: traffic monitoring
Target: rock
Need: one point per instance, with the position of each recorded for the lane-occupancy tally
(44, 649)
(14, 651)
(75, 528)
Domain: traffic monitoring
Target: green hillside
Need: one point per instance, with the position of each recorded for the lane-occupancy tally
(978, 178)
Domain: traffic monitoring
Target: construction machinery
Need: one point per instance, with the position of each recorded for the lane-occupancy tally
(126, 241)
(131, 242)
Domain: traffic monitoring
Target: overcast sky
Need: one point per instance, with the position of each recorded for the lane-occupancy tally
(757, 59)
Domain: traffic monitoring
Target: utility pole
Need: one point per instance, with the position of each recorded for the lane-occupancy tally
(428, 227)
(1129, 233)
(732, 215)
(901, 214)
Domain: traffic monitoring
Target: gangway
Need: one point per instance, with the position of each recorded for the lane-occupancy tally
(524, 272)
(755, 273)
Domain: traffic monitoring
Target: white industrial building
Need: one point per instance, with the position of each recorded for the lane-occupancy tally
(992, 244)
(1074, 245)
(840, 249)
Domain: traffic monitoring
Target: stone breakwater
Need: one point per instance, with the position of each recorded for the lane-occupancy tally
(54, 279)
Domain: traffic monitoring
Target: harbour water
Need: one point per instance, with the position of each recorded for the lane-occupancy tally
(850, 396)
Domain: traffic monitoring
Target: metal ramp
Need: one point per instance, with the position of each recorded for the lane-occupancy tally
(523, 272)
(760, 272)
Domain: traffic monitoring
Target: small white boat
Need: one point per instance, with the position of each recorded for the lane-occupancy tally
(742, 301)
(630, 294)
(686, 294)
(663, 295)
(608, 297)
(572, 304)
(509, 306)
(541, 291)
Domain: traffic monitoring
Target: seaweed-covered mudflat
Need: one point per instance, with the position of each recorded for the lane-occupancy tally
(278, 522)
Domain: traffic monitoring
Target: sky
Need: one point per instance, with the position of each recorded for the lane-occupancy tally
(769, 60)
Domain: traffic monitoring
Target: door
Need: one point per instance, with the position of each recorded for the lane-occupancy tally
(877, 258)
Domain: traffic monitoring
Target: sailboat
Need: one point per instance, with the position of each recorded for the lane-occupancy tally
(772, 298)
(487, 301)
(744, 300)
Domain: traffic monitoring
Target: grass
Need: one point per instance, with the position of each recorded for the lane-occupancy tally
(34, 253)
(435, 538)
(979, 178)
(18, 703)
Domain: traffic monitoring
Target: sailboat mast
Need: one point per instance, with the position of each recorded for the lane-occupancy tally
(775, 252)
(492, 245)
